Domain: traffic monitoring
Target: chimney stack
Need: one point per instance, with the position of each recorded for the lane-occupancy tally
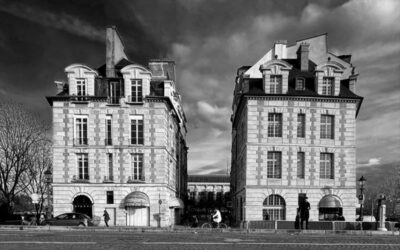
(114, 50)
(302, 56)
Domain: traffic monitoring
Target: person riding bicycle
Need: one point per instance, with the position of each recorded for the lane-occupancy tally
(217, 218)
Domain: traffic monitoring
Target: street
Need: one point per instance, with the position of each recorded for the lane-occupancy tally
(178, 240)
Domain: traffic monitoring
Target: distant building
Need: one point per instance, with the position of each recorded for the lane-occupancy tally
(206, 192)
(119, 136)
(294, 133)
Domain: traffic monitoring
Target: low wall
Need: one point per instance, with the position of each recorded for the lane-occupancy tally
(317, 225)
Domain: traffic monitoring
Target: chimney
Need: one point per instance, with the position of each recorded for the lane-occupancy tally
(114, 50)
(60, 86)
(163, 69)
(279, 50)
(302, 56)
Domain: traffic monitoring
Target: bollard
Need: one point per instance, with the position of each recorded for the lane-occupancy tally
(382, 215)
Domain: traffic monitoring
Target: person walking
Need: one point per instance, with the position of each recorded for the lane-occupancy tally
(304, 212)
(106, 217)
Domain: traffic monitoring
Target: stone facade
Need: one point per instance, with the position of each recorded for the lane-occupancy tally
(252, 141)
(114, 179)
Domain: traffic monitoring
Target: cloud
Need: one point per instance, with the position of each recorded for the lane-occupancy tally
(55, 20)
(371, 162)
(217, 117)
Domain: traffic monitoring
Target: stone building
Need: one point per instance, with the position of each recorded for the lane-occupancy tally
(119, 140)
(294, 133)
(206, 192)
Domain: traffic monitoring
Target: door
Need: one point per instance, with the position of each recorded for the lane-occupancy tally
(137, 216)
(111, 212)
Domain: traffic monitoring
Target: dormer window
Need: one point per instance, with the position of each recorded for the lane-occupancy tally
(327, 85)
(136, 91)
(275, 84)
(300, 84)
(81, 87)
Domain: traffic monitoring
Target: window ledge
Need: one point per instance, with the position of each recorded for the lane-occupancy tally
(134, 103)
(80, 181)
(135, 181)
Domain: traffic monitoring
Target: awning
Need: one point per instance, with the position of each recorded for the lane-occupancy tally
(330, 201)
(176, 202)
(137, 199)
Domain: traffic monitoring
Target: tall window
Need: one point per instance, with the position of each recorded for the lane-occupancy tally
(300, 165)
(300, 84)
(274, 125)
(301, 125)
(108, 130)
(137, 167)
(327, 127)
(110, 167)
(81, 88)
(274, 165)
(137, 130)
(136, 91)
(274, 208)
(110, 197)
(275, 84)
(83, 167)
(81, 131)
(326, 169)
(327, 85)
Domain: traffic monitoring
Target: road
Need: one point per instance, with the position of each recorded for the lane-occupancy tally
(71, 240)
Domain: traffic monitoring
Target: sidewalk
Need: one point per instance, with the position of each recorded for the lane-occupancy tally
(181, 229)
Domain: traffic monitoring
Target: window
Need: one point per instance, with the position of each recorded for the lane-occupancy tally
(137, 130)
(136, 91)
(114, 90)
(81, 88)
(301, 125)
(83, 167)
(300, 165)
(275, 84)
(327, 126)
(81, 131)
(108, 140)
(326, 166)
(110, 197)
(300, 84)
(274, 208)
(137, 167)
(327, 85)
(274, 165)
(110, 176)
(274, 125)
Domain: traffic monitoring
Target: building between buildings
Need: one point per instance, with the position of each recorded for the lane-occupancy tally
(294, 134)
(119, 140)
(206, 192)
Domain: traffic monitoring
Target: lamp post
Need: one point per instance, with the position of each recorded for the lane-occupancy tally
(159, 210)
(48, 179)
(361, 182)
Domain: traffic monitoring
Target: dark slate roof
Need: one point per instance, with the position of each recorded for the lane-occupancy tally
(122, 63)
(209, 178)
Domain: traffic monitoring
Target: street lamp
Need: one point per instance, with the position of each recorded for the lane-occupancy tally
(361, 182)
(48, 179)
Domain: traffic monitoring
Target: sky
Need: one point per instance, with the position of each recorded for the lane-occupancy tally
(208, 40)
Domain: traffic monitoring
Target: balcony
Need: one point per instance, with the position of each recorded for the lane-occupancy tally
(76, 179)
(113, 100)
(108, 179)
(134, 99)
(82, 142)
(108, 141)
(132, 179)
(80, 99)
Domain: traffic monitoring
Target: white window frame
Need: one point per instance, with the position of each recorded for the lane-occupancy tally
(326, 169)
(79, 138)
(137, 95)
(80, 159)
(137, 134)
(327, 85)
(275, 124)
(327, 128)
(275, 84)
(274, 165)
(136, 168)
(81, 83)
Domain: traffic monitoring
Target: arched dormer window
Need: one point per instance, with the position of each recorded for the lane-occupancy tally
(275, 76)
(137, 82)
(300, 84)
(327, 78)
(80, 80)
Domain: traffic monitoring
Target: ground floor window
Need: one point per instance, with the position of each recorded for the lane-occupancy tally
(274, 208)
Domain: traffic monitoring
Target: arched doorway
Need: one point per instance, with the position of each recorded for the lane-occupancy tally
(274, 208)
(137, 206)
(330, 208)
(82, 204)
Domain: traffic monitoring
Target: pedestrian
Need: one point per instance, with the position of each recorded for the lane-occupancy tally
(42, 219)
(266, 217)
(304, 212)
(195, 221)
(297, 220)
(106, 217)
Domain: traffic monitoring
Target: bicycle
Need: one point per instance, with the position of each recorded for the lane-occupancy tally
(209, 225)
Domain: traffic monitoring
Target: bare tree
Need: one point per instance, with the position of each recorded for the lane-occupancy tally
(20, 133)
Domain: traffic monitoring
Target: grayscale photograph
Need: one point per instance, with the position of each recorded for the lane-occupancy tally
(199, 124)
